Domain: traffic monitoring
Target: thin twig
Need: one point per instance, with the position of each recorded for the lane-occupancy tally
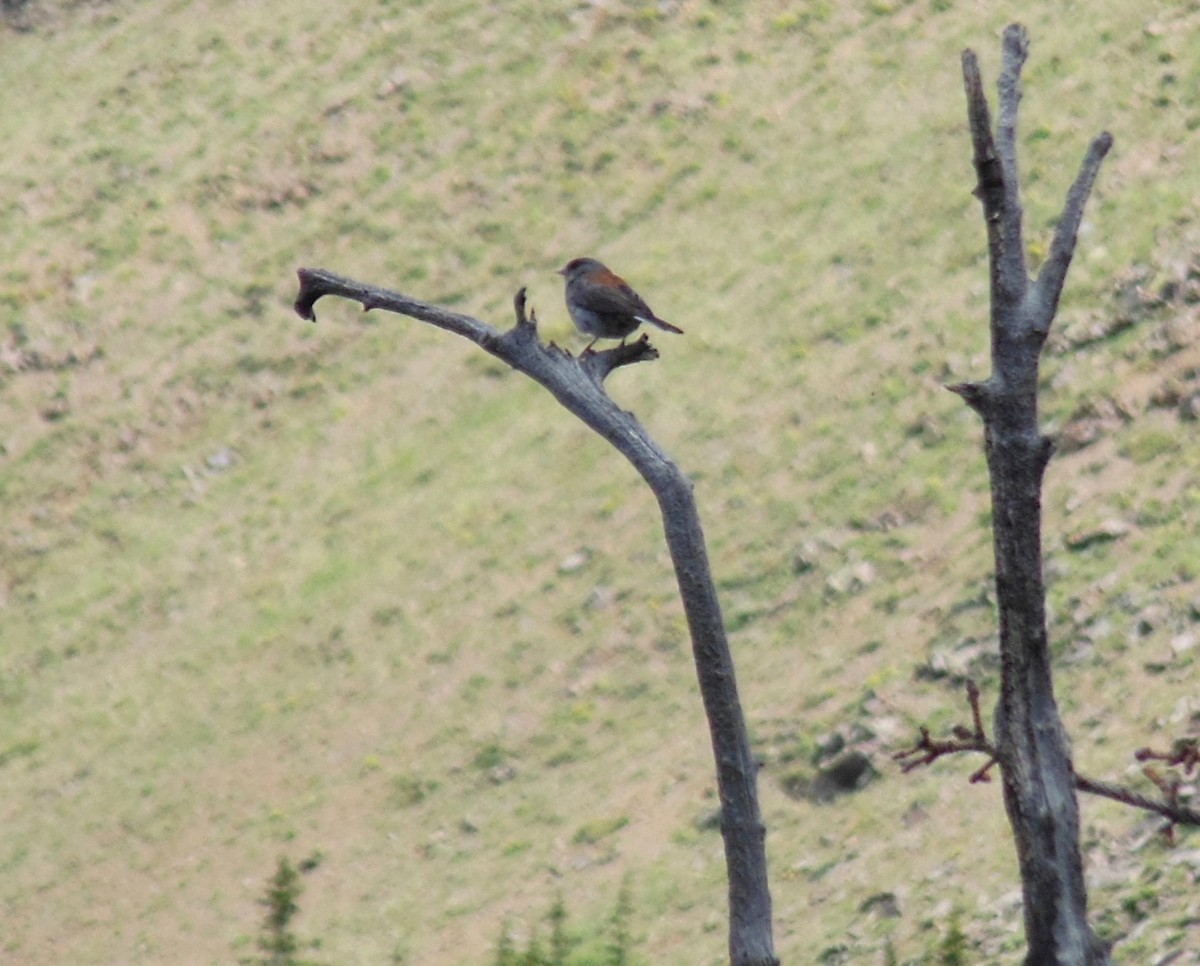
(1184, 754)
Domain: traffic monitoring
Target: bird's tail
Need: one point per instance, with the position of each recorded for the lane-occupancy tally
(655, 320)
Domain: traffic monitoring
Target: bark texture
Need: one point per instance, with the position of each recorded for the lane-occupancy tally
(578, 384)
(1033, 748)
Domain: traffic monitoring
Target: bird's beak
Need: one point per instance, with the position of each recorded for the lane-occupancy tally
(561, 271)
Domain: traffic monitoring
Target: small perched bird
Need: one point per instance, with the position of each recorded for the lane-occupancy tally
(603, 305)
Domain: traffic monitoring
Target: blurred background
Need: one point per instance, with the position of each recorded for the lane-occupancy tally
(355, 596)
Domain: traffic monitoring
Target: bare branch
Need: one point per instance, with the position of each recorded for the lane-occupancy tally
(519, 346)
(974, 394)
(1049, 285)
(1173, 812)
(995, 159)
(989, 185)
(1015, 47)
(316, 282)
(979, 116)
(1031, 745)
(577, 383)
(927, 750)
(1185, 754)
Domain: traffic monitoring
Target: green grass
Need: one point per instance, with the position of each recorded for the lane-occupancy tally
(355, 634)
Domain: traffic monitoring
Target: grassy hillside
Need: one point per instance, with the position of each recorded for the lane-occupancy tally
(354, 592)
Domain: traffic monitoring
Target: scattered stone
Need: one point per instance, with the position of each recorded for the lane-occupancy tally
(1173, 334)
(1189, 857)
(1151, 618)
(927, 429)
(1167, 395)
(1112, 529)
(57, 408)
(17, 358)
(1091, 423)
(802, 563)
(889, 729)
(1182, 643)
(601, 598)
(883, 904)
(849, 772)
(221, 460)
(853, 579)
(890, 518)
(398, 81)
(683, 106)
(969, 658)
(808, 557)
(575, 562)
(828, 746)
(1086, 332)
(1107, 871)
(1133, 296)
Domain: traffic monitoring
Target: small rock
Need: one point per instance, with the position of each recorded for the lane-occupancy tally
(575, 562)
(889, 728)
(864, 573)
(851, 580)
(1087, 332)
(1090, 423)
(601, 597)
(889, 518)
(1190, 858)
(1106, 532)
(883, 904)
(807, 558)
(399, 80)
(849, 772)
(1167, 395)
(56, 409)
(1189, 408)
(828, 746)
(969, 658)
(1152, 617)
(1182, 643)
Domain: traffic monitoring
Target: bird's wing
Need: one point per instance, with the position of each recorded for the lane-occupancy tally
(611, 295)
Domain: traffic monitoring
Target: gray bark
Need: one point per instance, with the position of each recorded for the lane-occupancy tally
(1033, 749)
(578, 384)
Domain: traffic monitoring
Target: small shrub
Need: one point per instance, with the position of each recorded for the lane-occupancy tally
(952, 951)
(279, 944)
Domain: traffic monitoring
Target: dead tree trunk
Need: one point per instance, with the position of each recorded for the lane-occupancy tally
(1032, 745)
(578, 383)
